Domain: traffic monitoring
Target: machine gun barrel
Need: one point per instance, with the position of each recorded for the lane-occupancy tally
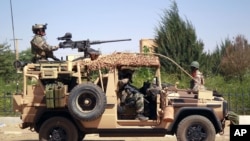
(108, 41)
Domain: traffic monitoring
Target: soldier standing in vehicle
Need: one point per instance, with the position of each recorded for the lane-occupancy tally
(39, 46)
(197, 83)
(130, 95)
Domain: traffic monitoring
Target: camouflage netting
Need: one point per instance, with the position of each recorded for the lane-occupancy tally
(122, 59)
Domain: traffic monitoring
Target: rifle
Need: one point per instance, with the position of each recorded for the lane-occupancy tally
(83, 45)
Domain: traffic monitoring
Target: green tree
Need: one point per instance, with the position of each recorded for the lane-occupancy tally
(26, 55)
(177, 39)
(7, 57)
(146, 49)
(214, 59)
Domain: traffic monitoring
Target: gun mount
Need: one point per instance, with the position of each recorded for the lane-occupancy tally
(84, 45)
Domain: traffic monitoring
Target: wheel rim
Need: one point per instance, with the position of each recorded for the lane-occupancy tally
(57, 134)
(86, 102)
(196, 132)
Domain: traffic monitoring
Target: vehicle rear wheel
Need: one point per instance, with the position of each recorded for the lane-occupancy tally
(87, 102)
(195, 128)
(58, 129)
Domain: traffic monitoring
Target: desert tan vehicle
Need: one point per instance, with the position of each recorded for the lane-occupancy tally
(66, 100)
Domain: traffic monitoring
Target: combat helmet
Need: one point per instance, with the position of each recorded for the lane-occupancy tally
(195, 64)
(37, 27)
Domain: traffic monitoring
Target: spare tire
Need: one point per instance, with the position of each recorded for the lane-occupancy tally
(87, 102)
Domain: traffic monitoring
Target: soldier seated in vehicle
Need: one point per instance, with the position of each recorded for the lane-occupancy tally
(130, 95)
(39, 46)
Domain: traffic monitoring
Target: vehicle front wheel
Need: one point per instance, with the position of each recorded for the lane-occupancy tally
(58, 129)
(195, 128)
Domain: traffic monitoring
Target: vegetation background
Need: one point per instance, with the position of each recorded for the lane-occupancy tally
(226, 69)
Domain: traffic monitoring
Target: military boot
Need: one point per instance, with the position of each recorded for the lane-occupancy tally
(141, 117)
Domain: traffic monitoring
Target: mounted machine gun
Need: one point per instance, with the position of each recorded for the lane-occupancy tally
(84, 45)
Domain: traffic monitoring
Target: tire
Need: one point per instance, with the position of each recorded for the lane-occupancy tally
(195, 128)
(87, 102)
(58, 129)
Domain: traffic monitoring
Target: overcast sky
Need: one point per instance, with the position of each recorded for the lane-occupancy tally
(213, 20)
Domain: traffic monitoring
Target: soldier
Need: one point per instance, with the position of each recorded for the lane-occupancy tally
(197, 83)
(39, 47)
(130, 95)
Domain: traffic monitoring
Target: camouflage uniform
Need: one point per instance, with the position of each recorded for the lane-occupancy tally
(130, 96)
(41, 49)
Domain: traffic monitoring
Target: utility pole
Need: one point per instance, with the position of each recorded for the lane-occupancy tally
(13, 30)
(16, 47)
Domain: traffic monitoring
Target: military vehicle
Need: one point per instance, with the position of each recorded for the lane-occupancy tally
(67, 100)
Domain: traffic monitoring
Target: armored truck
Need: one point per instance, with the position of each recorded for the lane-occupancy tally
(67, 100)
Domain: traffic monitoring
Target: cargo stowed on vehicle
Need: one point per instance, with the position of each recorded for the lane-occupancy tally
(55, 95)
(66, 100)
